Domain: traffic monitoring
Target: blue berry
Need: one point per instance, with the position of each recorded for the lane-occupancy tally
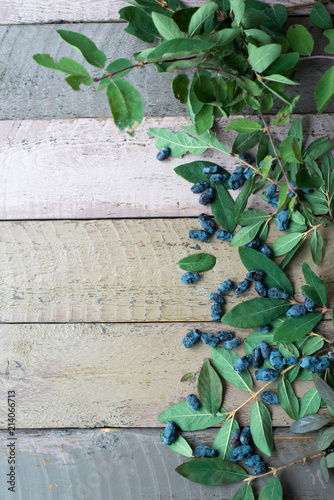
(188, 278)
(254, 243)
(216, 298)
(237, 179)
(264, 328)
(222, 336)
(235, 441)
(242, 364)
(253, 460)
(276, 359)
(216, 312)
(231, 344)
(309, 304)
(267, 374)
(211, 170)
(255, 275)
(248, 172)
(241, 453)
(259, 468)
(245, 436)
(266, 251)
(223, 235)
(204, 451)
(207, 223)
(261, 289)
(277, 293)
(225, 287)
(265, 349)
(199, 187)
(296, 311)
(247, 157)
(170, 433)
(242, 287)
(191, 338)
(207, 197)
(270, 191)
(273, 201)
(163, 154)
(193, 402)
(209, 339)
(309, 361)
(199, 234)
(270, 397)
(290, 360)
(218, 178)
(257, 358)
(282, 220)
(307, 191)
(323, 364)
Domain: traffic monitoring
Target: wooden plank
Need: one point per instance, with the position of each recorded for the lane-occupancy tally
(105, 375)
(116, 270)
(134, 465)
(87, 168)
(33, 92)
(37, 11)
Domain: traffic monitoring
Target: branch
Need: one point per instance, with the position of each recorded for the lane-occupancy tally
(316, 57)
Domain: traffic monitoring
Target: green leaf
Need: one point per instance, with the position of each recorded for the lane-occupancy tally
(238, 9)
(85, 46)
(261, 428)
(180, 446)
(266, 166)
(244, 125)
(75, 81)
(244, 142)
(200, 16)
(251, 217)
(255, 312)
(306, 181)
(324, 470)
(199, 262)
(330, 47)
(317, 202)
(140, 24)
(223, 208)
(180, 88)
(281, 79)
(209, 388)
(300, 39)
(224, 361)
(116, 65)
(287, 349)
(310, 423)
(324, 90)
(324, 390)
(65, 64)
(272, 490)
(316, 283)
(245, 492)
(188, 376)
(320, 16)
(330, 460)
(224, 37)
(177, 48)
(286, 243)
(316, 245)
(283, 63)
(209, 138)
(261, 57)
(310, 403)
(288, 400)
(245, 234)
(188, 419)
(179, 143)
(310, 344)
(290, 151)
(296, 328)
(242, 198)
(125, 104)
(274, 276)
(211, 471)
(325, 436)
(166, 26)
(222, 441)
(204, 119)
(206, 90)
(283, 194)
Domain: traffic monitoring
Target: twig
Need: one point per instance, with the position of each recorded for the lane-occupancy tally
(316, 57)
(301, 5)
(274, 470)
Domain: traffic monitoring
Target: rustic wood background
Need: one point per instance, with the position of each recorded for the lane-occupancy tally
(92, 309)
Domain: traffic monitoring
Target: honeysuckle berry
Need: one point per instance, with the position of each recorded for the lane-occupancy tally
(237, 179)
(207, 197)
(207, 223)
(199, 187)
(215, 297)
(277, 293)
(257, 358)
(216, 312)
(193, 402)
(218, 178)
(170, 433)
(276, 359)
(225, 287)
(255, 243)
(323, 364)
(259, 468)
(265, 349)
(309, 304)
(255, 275)
(247, 157)
(264, 328)
(188, 278)
(211, 170)
(204, 451)
(309, 361)
(283, 220)
(241, 453)
(270, 191)
(231, 344)
(241, 287)
(296, 311)
(267, 374)
(253, 460)
(248, 172)
(209, 339)
(191, 338)
(273, 202)
(222, 336)
(199, 234)
(270, 397)
(261, 289)
(245, 436)
(290, 360)
(242, 363)
(266, 251)
(164, 153)
(223, 235)
(307, 191)
(235, 441)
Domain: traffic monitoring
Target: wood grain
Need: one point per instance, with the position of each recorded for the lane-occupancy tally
(134, 465)
(37, 11)
(87, 168)
(120, 375)
(116, 270)
(33, 92)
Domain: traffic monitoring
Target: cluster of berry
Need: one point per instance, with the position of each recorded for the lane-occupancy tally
(208, 193)
(170, 434)
(228, 339)
(243, 450)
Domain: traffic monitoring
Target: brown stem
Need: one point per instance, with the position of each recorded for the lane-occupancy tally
(316, 57)
(274, 470)
(301, 5)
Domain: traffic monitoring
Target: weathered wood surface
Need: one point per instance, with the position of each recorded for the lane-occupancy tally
(134, 465)
(37, 11)
(87, 168)
(117, 270)
(32, 92)
(114, 375)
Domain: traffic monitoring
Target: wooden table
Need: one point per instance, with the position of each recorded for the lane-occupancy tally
(92, 309)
